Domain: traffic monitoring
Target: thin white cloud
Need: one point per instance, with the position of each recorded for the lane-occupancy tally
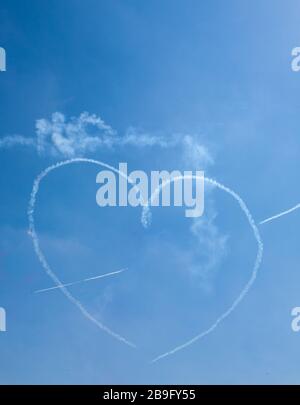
(195, 152)
(11, 141)
(88, 133)
(212, 246)
(141, 139)
(192, 149)
(75, 137)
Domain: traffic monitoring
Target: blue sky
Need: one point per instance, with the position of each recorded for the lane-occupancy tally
(216, 77)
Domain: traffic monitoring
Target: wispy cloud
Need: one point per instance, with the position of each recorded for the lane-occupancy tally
(11, 141)
(88, 133)
(193, 149)
(75, 137)
(212, 245)
(139, 138)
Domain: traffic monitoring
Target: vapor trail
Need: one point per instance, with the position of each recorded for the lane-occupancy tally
(249, 284)
(281, 214)
(81, 281)
(145, 220)
(40, 255)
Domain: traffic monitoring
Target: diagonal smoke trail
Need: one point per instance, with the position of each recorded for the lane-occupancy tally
(81, 281)
(281, 214)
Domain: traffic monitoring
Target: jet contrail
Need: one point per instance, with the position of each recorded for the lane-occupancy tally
(81, 281)
(296, 207)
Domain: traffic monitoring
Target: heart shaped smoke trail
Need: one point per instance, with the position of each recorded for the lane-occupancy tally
(145, 218)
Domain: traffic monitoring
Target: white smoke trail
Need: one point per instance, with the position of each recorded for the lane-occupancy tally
(40, 255)
(253, 276)
(281, 214)
(81, 281)
(146, 215)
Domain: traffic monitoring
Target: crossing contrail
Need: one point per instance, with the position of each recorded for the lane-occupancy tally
(81, 281)
(281, 214)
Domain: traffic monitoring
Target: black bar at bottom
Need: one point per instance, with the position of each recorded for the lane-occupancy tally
(135, 393)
